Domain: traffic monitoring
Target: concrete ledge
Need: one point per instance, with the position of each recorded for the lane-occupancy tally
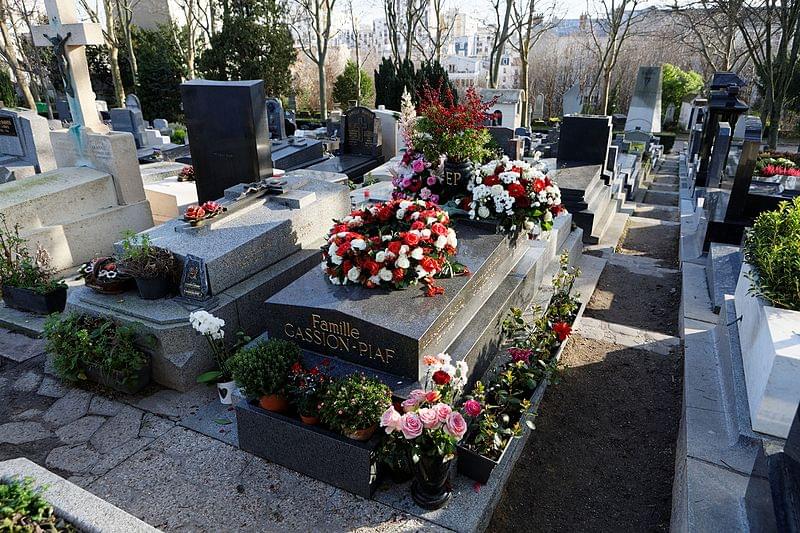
(76, 505)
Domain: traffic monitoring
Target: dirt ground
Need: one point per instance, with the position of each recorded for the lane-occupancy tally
(603, 454)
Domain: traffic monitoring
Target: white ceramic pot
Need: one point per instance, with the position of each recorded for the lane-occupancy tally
(225, 391)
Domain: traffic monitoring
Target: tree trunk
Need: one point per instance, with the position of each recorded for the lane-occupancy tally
(525, 99)
(606, 92)
(11, 58)
(323, 90)
(113, 56)
(775, 122)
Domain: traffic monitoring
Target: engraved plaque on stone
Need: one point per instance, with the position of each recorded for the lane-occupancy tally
(194, 280)
(7, 127)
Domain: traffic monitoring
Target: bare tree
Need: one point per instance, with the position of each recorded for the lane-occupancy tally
(612, 26)
(112, 43)
(530, 24)
(312, 25)
(770, 30)
(432, 41)
(124, 13)
(710, 32)
(402, 22)
(8, 51)
(503, 29)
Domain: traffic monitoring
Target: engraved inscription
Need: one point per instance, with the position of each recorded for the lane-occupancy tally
(7, 127)
(340, 336)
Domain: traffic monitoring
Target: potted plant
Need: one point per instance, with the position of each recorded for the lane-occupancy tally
(262, 372)
(353, 405)
(453, 131)
(210, 327)
(102, 274)
(93, 348)
(431, 428)
(306, 388)
(151, 266)
(27, 281)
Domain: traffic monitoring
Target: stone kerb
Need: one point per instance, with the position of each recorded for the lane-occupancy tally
(771, 358)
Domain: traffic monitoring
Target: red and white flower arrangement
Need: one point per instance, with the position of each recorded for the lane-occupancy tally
(197, 213)
(518, 195)
(429, 423)
(392, 245)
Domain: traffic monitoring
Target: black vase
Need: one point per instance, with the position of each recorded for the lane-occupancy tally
(456, 177)
(431, 486)
(152, 289)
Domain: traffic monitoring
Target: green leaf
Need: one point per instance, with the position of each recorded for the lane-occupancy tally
(210, 377)
(222, 421)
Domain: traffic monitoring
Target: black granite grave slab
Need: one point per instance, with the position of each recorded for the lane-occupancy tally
(293, 153)
(584, 139)
(391, 330)
(311, 450)
(354, 166)
(587, 197)
(784, 480)
(229, 135)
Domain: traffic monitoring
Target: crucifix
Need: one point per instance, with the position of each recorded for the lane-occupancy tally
(69, 37)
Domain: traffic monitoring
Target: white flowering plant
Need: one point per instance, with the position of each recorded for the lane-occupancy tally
(211, 327)
(516, 194)
(392, 245)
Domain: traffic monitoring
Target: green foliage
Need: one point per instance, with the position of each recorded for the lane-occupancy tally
(344, 88)
(18, 268)
(78, 342)
(391, 80)
(255, 42)
(307, 387)
(161, 71)
(143, 260)
(7, 92)
(355, 402)
(772, 247)
(263, 369)
(178, 133)
(23, 509)
(676, 84)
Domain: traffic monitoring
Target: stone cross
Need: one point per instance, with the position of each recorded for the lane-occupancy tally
(69, 37)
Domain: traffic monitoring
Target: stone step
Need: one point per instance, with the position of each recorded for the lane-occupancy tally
(57, 197)
(661, 198)
(665, 187)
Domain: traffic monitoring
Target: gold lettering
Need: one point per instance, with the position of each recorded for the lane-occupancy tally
(337, 336)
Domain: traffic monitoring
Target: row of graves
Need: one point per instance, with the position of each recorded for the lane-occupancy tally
(728, 183)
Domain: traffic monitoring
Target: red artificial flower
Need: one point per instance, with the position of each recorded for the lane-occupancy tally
(346, 266)
(417, 225)
(411, 239)
(432, 396)
(491, 180)
(394, 247)
(195, 212)
(314, 371)
(538, 185)
(343, 249)
(385, 213)
(297, 368)
(440, 377)
(562, 329)
(429, 264)
(438, 228)
(516, 191)
(398, 274)
(434, 290)
(372, 267)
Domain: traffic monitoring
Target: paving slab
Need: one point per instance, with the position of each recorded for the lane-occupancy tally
(81, 430)
(22, 432)
(19, 347)
(72, 406)
(22, 322)
(27, 382)
(52, 388)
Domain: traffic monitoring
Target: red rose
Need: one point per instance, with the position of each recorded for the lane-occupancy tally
(385, 213)
(562, 329)
(491, 180)
(372, 267)
(439, 229)
(411, 239)
(538, 185)
(394, 247)
(398, 274)
(440, 377)
(432, 396)
(464, 204)
(418, 225)
(346, 266)
(343, 249)
(523, 202)
(515, 190)
(429, 264)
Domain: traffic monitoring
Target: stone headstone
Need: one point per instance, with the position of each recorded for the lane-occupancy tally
(194, 279)
(538, 107)
(751, 146)
(102, 105)
(584, 139)
(129, 120)
(669, 114)
(25, 140)
(719, 155)
(506, 139)
(227, 123)
(571, 102)
(362, 135)
(684, 115)
(637, 141)
(160, 124)
(62, 109)
(391, 138)
(276, 120)
(132, 102)
(784, 480)
(644, 113)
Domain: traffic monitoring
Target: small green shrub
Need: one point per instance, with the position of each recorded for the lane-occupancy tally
(143, 260)
(18, 268)
(78, 342)
(772, 247)
(355, 402)
(23, 509)
(178, 133)
(263, 369)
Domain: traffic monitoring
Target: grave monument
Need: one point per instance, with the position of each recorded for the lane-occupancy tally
(25, 147)
(572, 102)
(290, 152)
(644, 113)
(507, 106)
(361, 145)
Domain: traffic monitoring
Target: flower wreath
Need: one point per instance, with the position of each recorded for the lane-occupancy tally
(515, 193)
(392, 245)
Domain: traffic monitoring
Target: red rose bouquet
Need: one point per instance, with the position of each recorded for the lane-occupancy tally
(392, 245)
(518, 195)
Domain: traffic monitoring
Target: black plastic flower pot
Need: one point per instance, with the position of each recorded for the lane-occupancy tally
(34, 302)
(152, 289)
(116, 381)
(475, 466)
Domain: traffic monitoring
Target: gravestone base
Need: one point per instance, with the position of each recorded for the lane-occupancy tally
(590, 201)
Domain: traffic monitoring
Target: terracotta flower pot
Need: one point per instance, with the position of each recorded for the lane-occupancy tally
(274, 402)
(362, 434)
(310, 420)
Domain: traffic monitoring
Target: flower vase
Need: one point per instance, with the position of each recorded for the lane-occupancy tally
(431, 486)
(456, 177)
(225, 391)
(362, 435)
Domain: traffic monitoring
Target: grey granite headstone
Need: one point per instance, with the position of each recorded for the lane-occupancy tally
(62, 109)
(644, 113)
(160, 124)
(129, 120)
(571, 101)
(25, 140)
(538, 107)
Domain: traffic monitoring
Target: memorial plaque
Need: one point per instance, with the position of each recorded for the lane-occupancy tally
(194, 280)
(7, 127)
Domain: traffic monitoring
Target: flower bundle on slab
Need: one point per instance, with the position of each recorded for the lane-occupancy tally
(392, 245)
(414, 177)
(519, 196)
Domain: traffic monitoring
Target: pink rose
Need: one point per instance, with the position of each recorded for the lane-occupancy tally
(410, 404)
(390, 419)
(442, 411)
(428, 417)
(455, 425)
(472, 408)
(417, 394)
(418, 165)
(411, 426)
(432, 180)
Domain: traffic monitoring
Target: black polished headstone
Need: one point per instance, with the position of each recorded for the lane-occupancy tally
(784, 480)
(362, 132)
(506, 139)
(227, 125)
(584, 139)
